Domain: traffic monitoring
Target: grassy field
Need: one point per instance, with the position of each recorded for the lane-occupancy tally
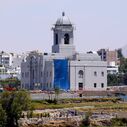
(110, 104)
(89, 106)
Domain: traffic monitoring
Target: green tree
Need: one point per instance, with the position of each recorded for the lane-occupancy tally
(121, 77)
(115, 79)
(14, 103)
(123, 66)
(123, 70)
(112, 79)
(3, 117)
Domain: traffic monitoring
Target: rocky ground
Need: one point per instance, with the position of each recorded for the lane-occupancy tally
(66, 118)
(59, 123)
(53, 118)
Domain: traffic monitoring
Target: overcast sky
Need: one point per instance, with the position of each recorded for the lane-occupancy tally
(26, 24)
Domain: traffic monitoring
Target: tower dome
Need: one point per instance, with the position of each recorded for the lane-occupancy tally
(64, 20)
(63, 36)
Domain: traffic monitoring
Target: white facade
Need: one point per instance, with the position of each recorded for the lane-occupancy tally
(85, 71)
(88, 75)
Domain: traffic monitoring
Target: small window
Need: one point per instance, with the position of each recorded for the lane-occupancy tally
(95, 85)
(102, 73)
(104, 53)
(95, 73)
(102, 85)
(104, 57)
(80, 86)
(56, 39)
(80, 74)
(66, 38)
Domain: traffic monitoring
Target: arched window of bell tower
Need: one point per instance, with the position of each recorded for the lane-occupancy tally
(56, 39)
(66, 38)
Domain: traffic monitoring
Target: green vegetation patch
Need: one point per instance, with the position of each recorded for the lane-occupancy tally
(119, 122)
(98, 103)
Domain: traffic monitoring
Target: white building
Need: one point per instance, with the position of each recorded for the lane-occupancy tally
(64, 67)
(11, 63)
(112, 68)
(5, 59)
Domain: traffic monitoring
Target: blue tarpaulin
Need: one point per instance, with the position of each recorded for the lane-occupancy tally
(61, 74)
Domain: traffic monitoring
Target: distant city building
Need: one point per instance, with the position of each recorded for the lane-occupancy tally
(5, 59)
(112, 68)
(3, 72)
(10, 65)
(112, 60)
(109, 56)
(64, 68)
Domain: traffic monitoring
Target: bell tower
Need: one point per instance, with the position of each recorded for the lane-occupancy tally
(63, 36)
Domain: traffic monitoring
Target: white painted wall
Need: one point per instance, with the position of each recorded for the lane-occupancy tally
(88, 67)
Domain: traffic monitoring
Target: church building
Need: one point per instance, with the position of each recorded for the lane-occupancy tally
(64, 68)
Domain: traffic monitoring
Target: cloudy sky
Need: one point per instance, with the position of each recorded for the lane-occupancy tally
(26, 24)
